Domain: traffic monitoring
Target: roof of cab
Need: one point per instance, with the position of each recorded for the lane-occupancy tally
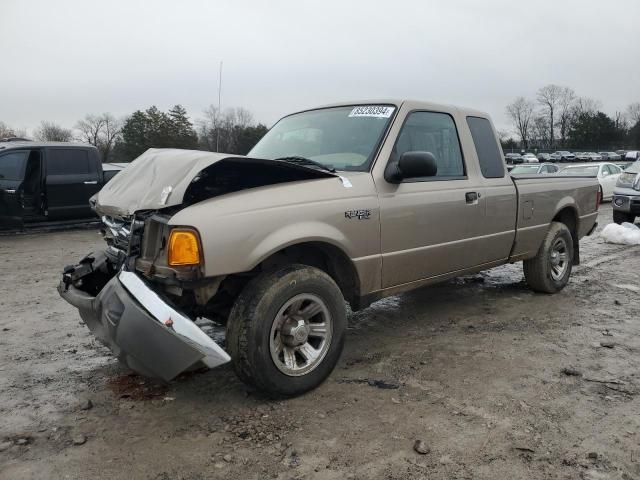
(412, 104)
(32, 144)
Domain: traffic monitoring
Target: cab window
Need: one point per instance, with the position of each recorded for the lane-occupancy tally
(489, 156)
(12, 165)
(67, 161)
(436, 133)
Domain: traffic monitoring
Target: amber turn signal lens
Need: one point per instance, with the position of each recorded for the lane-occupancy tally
(184, 248)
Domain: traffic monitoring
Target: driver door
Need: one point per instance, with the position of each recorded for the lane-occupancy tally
(429, 225)
(12, 169)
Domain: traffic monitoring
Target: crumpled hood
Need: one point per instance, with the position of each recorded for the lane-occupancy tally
(159, 178)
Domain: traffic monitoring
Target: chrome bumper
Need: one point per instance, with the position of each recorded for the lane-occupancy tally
(626, 203)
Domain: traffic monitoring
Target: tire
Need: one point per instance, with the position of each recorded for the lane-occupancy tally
(541, 272)
(622, 217)
(262, 314)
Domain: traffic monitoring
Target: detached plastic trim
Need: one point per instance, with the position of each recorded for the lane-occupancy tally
(181, 325)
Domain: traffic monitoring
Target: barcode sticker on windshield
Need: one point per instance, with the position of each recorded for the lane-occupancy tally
(379, 111)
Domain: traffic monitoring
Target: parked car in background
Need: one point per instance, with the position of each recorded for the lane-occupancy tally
(593, 157)
(350, 214)
(632, 156)
(529, 158)
(581, 156)
(47, 181)
(541, 169)
(563, 156)
(606, 173)
(513, 158)
(624, 165)
(610, 156)
(544, 157)
(110, 170)
(626, 197)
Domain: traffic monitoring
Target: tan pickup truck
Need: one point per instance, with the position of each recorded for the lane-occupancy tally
(346, 203)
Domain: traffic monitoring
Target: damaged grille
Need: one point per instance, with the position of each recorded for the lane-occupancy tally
(117, 232)
(123, 236)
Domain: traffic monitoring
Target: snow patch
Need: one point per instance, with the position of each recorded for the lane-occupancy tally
(625, 234)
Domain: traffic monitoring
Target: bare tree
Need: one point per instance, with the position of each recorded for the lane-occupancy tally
(540, 131)
(110, 134)
(549, 98)
(521, 112)
(503, 135)
(565, 111)
(229, 131)
(208, 126)
(584, 105)
(7, 132)
(101, 131)
(52, 132)
(90, 129)
(621, 121)
(244, 118)
(633, 113)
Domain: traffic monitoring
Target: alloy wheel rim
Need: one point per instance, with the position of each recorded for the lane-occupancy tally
(300, 335)
(559, 259)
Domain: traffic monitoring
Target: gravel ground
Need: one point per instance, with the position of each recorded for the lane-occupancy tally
(490, 379)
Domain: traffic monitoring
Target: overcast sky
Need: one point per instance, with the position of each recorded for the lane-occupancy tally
(62, 59)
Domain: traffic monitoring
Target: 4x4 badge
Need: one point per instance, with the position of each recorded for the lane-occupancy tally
(359, 214)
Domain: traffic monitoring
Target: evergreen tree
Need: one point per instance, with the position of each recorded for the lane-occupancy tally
(594, 130)
(134, 139)
(182, 131)
(154, 128)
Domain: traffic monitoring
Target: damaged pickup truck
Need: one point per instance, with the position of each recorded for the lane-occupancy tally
(347, 203)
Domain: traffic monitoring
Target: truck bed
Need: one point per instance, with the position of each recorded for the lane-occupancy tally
(541, 198)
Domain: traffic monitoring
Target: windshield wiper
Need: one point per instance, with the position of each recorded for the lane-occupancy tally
(305, 161)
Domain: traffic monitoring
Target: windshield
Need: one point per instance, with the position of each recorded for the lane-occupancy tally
(344, 138)
(586, 170)
(525, 169)
(12, 165)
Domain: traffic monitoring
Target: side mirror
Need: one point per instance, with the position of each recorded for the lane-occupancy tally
(412, 165)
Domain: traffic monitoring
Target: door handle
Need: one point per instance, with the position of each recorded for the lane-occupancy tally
(91, 182)
(471, 197)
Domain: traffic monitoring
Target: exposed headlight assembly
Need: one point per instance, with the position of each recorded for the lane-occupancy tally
(628, 180)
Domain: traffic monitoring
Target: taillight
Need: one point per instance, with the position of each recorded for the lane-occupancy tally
(598, 199)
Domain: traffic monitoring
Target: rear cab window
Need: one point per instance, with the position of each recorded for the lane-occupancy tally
(489, 156)
(69, 161)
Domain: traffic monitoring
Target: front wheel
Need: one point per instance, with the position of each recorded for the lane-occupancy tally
(286, 330)
(622, 217)
(550, 269)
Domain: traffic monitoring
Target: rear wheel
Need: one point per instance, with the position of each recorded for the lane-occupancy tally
(550, 269)
(622, 217)
(286, 330)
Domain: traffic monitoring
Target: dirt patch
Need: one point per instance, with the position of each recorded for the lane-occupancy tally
(135, 387)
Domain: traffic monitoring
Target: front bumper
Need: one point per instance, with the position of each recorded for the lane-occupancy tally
(141, 329)
(626, 203)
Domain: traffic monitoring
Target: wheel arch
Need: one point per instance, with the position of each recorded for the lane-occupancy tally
(568, 216)
(325, 256)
